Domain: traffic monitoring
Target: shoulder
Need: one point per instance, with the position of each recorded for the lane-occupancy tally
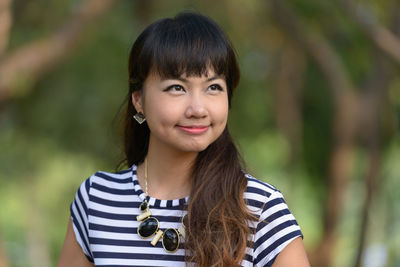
(258, 193)
(105, 178)
(257, 186)
(276, 226)
(105, 181)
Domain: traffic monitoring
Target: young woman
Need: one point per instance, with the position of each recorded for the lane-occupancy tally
(185, 199)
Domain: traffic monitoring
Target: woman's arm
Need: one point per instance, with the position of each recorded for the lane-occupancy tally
(71, 253)
(293, 255)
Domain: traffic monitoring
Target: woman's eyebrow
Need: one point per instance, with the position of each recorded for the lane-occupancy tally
(216, 77)
(174, 78)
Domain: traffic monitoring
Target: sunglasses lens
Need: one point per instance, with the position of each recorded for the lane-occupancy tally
(170, 240)
(148, 227)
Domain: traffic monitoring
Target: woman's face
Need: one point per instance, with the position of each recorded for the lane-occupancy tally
(185, 114)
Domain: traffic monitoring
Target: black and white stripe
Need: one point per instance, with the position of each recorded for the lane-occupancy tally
(104, 220)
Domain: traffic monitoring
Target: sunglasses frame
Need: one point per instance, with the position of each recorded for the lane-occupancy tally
(179, 240)
(158, 233)
(158, 227)
(163, 234)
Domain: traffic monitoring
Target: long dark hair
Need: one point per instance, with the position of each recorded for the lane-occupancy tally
(189, 44)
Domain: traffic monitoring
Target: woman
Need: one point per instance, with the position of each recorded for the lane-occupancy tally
(185, 199)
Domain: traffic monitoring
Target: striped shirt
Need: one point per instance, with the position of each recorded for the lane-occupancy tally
(104, 221)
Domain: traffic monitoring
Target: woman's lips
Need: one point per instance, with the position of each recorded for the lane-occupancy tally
(194, 129)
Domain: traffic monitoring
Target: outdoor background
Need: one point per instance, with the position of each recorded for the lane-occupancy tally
(316, 114)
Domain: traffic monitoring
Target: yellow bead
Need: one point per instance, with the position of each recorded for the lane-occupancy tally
(181, 231)
(143, 215)
(156, 237)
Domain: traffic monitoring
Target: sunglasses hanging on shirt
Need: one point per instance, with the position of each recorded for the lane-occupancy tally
(150, 226)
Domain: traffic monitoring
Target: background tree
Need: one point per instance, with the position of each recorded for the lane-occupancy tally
(316, 114)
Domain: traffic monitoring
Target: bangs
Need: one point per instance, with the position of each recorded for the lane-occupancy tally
(189, 44)
(190, 48)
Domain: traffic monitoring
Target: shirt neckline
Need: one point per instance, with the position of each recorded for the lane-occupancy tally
(154, 202)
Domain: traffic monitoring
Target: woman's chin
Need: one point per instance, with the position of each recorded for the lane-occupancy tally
(194, 148)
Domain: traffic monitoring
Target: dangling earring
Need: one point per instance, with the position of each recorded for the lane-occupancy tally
(139, 117)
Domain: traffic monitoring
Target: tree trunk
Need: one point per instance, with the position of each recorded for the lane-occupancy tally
(4, 262)
(344, 123)
(289, 99)
(22, 68)
(5, 24)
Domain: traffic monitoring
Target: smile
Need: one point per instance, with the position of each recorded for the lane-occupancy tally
(194, 129)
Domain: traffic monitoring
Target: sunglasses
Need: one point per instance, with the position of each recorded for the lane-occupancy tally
(150, 227)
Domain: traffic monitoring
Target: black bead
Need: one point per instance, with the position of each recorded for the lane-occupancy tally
(170, 240)
(148, 227)
(143, 206)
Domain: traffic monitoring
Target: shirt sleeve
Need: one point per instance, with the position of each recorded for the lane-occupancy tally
(276, 228)
(79, 216)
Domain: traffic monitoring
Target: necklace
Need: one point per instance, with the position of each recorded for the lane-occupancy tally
(149, 225)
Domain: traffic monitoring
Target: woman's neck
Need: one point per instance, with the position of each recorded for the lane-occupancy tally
(168, 172)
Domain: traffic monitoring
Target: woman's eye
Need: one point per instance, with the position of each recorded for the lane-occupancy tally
(175, 88)
(215, 87)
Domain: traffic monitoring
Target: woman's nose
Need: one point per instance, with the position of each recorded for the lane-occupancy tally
(196, 107)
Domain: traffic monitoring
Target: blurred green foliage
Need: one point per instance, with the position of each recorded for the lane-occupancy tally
(61, 130)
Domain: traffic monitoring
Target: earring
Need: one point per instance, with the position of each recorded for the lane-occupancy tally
(139, 117)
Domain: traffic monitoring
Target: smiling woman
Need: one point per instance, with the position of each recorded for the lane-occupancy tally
(185, 198)
(185, 114)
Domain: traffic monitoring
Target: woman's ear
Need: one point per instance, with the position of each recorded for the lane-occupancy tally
(137, 100)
